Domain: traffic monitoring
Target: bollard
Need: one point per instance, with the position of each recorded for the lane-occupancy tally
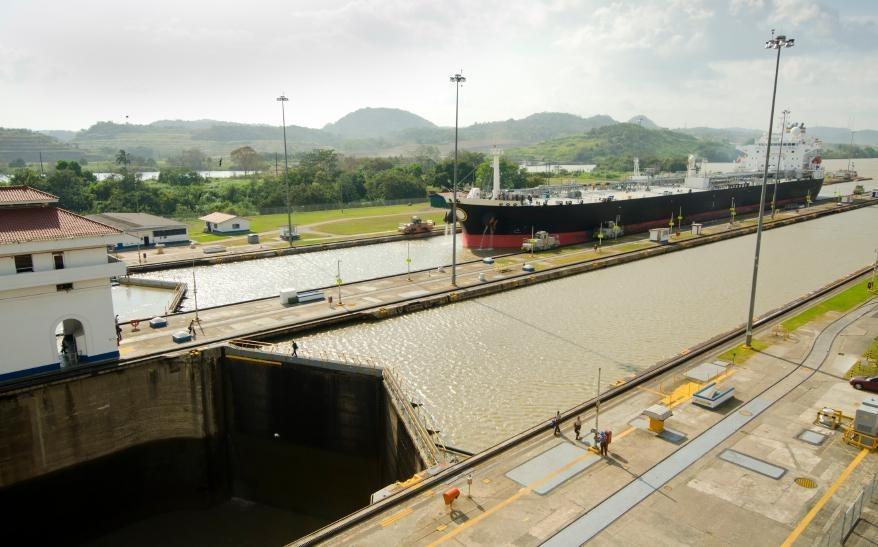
(449, 496)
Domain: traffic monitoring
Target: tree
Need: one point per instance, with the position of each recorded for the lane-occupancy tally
(192, 159)
(123, 159)
(246, 158)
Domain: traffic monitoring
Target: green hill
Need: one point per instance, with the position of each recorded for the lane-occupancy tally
(737, 135)
(376, 122)
(613, 146)
(534, 128)
(643, 121)
(27, 145)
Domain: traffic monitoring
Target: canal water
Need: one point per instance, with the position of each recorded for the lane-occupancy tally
(238, 281)
(489, 368)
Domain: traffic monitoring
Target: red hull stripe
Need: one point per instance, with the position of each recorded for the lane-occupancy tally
(514, 241)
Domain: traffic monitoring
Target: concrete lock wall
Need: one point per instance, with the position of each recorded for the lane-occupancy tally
(98, 452)
(312, 440)
(94, 452)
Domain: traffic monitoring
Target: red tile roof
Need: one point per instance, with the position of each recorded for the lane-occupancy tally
(24, 194)
(24, 224)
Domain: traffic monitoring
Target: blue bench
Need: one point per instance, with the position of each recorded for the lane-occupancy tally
(711, 397)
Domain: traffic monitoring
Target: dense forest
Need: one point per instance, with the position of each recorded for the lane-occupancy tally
(319, 176)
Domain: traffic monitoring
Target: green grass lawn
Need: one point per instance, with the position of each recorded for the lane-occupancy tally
(841, 302)
(267, 223)
(739, 354)
(868, 365)
(370, 225)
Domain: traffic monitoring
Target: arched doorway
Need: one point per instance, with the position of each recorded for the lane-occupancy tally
(70, 342)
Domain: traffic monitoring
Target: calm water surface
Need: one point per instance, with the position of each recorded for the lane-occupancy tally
(237, 281)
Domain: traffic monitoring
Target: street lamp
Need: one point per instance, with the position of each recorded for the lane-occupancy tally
(783, 129)
(778, 43)
(282, 99)
(457, 79)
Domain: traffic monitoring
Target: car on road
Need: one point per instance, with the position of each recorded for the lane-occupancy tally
(868, 383)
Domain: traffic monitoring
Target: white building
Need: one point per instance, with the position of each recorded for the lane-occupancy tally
(555, 168)
(148, 229)
(223, 223)
(55, 304)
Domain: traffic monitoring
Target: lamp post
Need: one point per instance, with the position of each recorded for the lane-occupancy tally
(778, 43)
(457, 79)
(282, 99)
(783, 129)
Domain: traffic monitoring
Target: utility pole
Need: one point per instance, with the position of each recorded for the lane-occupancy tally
(597, 407)
(338, 281)
(778, 43)
(282, 99)
(458, 79)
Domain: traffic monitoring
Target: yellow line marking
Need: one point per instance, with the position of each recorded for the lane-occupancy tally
(794, 535)
(396, 516)
(530, 487)
(257, 361)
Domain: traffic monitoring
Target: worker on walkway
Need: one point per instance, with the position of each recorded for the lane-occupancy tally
(118, 331)
(577, 427)
(295, 349)
(191, 329)
(556, 421)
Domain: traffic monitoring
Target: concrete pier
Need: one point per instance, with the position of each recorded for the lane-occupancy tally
(708, 479)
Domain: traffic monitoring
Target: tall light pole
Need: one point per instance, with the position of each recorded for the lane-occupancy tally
(457, 79)
(783, 129)
(778, 43)
(282, 99)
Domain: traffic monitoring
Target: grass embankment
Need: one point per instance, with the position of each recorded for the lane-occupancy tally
(739, 354)
(842, 302)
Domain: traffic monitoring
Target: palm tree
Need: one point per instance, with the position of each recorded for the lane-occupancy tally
(123, 158)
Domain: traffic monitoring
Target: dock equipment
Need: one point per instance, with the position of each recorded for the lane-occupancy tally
(657, 415)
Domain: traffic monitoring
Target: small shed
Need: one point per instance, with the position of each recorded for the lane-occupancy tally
(224, 223)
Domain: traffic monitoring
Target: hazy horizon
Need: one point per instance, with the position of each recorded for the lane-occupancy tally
(682, 63)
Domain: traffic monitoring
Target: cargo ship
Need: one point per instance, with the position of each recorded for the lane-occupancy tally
(576, 213)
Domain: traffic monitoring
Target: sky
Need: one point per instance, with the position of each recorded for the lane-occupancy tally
(683, 63)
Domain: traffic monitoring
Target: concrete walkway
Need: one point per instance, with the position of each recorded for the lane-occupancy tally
(670, 491)
(598, 518)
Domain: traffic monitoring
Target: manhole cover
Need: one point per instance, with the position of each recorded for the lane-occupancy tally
(805, 483)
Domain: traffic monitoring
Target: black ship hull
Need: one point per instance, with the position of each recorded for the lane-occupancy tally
(489, 224)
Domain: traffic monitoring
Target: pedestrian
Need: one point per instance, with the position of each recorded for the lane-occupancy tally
(577, 427)
(557, 423)
(608, 434)
(144, 257)
(329, 299)
(191, 329)
(295, 349)
(118, 331)
(603, 443)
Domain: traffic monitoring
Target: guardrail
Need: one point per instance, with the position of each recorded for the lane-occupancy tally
(843, 523)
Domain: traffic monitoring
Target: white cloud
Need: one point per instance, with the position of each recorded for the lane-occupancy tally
(695, 62)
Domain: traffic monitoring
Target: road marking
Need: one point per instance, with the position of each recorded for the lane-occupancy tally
(806, 520)
(396, 516)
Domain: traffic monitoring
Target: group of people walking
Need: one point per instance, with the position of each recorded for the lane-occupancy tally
(602, 439)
